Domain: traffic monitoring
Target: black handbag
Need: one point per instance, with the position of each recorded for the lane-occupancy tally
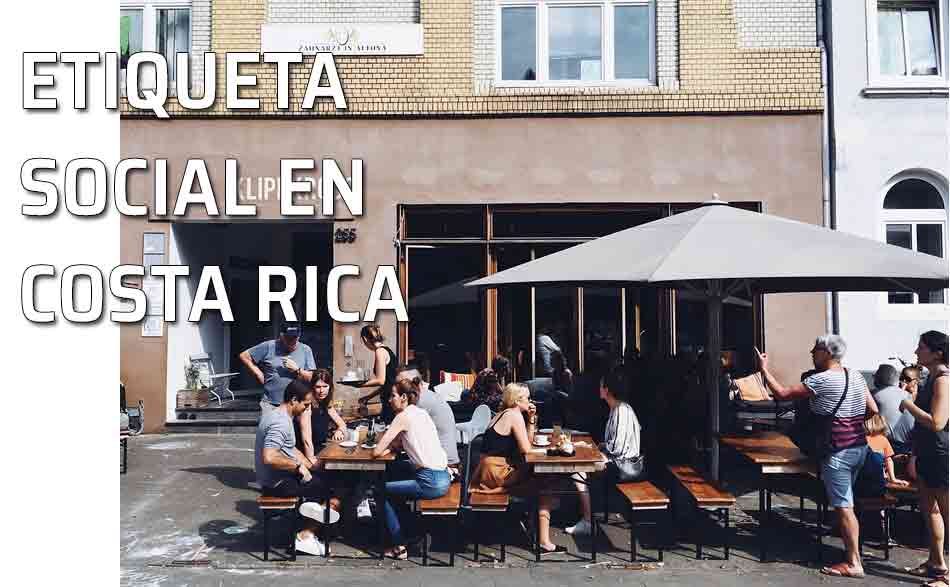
(811, 432)
(631, 468)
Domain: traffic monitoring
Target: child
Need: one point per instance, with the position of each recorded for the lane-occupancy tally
(876, 429)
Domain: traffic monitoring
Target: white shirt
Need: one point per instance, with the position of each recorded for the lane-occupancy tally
(420, 439)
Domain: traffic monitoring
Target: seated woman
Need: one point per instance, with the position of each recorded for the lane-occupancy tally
(314, 426)
(486, 390)
(502, 466)
(415, 432)
(317, 423)
(621, 444)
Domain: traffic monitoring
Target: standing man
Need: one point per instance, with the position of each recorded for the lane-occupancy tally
(275, 363)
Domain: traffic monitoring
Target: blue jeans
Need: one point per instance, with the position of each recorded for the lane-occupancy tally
(423, 484)
(839, 471)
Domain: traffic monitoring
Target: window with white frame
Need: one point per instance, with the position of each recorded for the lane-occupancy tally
(905, 41)
(915, 218)
(160, 26)
(576, 42)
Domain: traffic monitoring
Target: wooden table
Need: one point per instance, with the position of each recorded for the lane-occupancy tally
(584, 460)
(773, 454)
(336, 458)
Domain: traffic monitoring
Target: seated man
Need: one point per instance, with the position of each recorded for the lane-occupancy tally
(889, 396)
(283, 471)
(440, 412)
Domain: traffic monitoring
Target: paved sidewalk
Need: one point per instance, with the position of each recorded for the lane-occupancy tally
(189, 517)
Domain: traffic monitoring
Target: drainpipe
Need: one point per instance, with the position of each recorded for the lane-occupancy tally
(828, 212)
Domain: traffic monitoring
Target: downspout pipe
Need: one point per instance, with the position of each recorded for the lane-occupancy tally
(828, 212)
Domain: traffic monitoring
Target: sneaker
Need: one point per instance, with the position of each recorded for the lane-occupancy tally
(582, 528)
(315, 511)
(310, 545)
(363, 510)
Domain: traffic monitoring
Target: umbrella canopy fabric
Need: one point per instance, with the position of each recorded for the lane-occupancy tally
(764, 253)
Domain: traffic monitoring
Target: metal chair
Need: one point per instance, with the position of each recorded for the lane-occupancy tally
(217, 383)
(474, 427)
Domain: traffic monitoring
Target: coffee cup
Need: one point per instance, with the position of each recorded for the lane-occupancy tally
(568, 447)
(540, 439)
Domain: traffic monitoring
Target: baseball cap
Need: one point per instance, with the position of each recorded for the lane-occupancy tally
(291, 329)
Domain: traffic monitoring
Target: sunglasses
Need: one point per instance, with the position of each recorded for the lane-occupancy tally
(908, 379)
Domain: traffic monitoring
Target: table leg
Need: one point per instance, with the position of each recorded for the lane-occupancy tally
(326, 525)
(380, 514)
(762, 523)
(537, 531)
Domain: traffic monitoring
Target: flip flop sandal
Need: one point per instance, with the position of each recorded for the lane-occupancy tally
(925, 570)
(937, 582)
(558, 549)
(842, 570)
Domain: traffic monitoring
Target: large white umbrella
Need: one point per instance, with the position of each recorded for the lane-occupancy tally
(716, 251)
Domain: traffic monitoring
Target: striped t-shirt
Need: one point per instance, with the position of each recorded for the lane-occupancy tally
(847, 427)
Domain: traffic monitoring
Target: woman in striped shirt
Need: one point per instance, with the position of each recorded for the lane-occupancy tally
(621, 441)
(825, 389)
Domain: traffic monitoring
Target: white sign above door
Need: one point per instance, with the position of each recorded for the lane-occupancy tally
(343, 38)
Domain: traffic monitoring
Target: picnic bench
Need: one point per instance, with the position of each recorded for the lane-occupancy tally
(706, 496)
(275, 507)
(447, 505)
(642, 496)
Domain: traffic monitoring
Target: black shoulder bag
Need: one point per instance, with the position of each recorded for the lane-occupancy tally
(630, 469)
(811, 432)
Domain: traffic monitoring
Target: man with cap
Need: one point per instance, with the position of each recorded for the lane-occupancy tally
(277, 362)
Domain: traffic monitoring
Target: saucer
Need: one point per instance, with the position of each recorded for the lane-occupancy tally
(347, 444)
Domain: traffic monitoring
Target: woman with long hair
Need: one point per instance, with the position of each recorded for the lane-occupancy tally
(931, 411)
(321, 421)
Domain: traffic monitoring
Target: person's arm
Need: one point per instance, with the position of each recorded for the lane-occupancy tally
(251, 366)
(382, 445)
(297, 371)
(781, 392)
(379, 375)
(936, 419)
(519, 431)
(610, 435)
(340, 424)
(306, 434)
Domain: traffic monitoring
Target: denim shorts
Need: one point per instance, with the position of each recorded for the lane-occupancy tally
(839, 471)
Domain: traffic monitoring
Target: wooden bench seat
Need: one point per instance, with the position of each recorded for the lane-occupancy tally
(276, 503)
(704, 492)
(706, 495)
(448, 503)
(488, 501)
(643, 495)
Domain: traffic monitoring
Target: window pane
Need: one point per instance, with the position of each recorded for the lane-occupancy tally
(899, 234)
(514, 315)
(173, 35)
(568, 223)
(913, 194)
(890, 40)
(923, 52)
(574, 43)
(518, 43)
(603, 321)
(445, 222)
(632, 42)
(130, 34)
(930, 239)
(445, 323)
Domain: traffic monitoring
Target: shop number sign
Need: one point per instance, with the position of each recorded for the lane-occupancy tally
(343, 39)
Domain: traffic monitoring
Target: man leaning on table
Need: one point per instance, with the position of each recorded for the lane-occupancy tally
(831, 390)
(283, 471)
(277, 362)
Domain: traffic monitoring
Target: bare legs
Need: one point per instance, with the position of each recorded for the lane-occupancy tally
(545, 503)
(849, 534)
(583, 495)
(933, 507)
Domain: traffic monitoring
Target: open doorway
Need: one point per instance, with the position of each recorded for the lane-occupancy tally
(239, 249)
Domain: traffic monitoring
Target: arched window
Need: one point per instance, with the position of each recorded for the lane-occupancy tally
(915, 218)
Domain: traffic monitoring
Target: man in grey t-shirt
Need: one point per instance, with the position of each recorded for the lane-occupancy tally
(440, 412)
(889, 397)
(275, 363)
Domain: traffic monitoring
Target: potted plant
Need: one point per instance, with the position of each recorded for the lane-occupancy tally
(192, 376)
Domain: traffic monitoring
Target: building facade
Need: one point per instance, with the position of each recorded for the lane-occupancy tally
(889, 121)
(521, 128)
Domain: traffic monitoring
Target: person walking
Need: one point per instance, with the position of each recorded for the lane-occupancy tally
(929, 464)
(840, 400)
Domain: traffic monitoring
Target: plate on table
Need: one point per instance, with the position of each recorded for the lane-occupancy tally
(368, 446)
(546, 442)
(348, 443)
(352, 382)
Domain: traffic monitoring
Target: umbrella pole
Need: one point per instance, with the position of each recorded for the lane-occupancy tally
(713, 370)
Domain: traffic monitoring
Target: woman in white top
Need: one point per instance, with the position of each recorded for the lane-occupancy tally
(415, 432)
(621, 441)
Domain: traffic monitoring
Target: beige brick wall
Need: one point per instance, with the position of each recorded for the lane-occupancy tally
(716, 74)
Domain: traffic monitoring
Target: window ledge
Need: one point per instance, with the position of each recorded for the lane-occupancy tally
(905, 92)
